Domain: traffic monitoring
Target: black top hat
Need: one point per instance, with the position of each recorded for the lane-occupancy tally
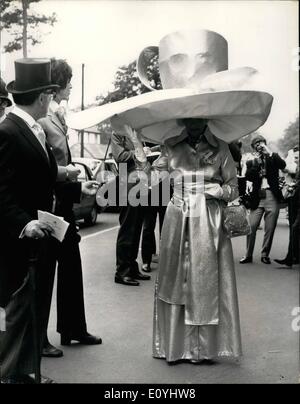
(4, 93)
(31, 75)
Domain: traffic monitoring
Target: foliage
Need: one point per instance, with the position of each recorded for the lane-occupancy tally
(153, 72)
(290, 137)
(12, 20)
(127, 84)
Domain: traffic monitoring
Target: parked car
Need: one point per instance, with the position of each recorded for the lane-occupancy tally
(92, 163)
(87, 209)
(107, 175)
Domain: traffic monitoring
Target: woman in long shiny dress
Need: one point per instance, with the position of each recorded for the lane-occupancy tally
(196, 314)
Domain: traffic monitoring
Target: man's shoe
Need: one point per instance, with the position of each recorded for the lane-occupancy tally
(142, 277)
(126, 280)
(85, 339)
(47, 380)
(265, 260)
(246, 260)
(50, 351)
(283, 262)
(146, 268)
(44, 380)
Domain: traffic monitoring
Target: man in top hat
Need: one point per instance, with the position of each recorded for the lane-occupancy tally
(263, 172)
(4, 100)
(28, 173)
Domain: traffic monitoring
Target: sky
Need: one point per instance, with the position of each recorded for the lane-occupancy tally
(107, 34)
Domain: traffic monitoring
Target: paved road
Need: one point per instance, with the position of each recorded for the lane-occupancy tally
(122, 316)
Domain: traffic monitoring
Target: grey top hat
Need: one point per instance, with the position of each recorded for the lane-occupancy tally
(31, 75)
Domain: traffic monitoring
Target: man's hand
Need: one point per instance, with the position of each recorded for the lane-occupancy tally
(263, 148)
(36, 229)
(72, 172)
(90, 188)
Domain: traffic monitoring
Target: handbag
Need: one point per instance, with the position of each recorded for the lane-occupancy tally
(236, 220)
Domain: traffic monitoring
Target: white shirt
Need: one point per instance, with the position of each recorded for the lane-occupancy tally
(33, 125)
(25, 116)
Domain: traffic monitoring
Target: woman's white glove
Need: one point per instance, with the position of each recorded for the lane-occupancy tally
(213, 190)
(137, 143)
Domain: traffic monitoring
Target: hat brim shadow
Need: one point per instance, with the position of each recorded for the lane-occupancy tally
(11, 88)
(231, 114)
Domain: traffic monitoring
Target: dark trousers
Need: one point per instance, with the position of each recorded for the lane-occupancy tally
(16, 342)
(70, 299)
(128, 240)
(269, 209)
(148, 236)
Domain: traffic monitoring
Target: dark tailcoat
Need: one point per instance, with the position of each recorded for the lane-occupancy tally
(27, 178)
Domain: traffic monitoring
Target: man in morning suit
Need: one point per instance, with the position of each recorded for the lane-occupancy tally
(28, 173)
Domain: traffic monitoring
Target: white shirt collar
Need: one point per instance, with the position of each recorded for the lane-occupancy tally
(2, 118)
(24, 115)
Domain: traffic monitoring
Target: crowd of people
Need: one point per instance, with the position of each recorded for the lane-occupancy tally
(196, 316)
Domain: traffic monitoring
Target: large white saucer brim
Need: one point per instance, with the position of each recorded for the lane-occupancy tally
(232, 114)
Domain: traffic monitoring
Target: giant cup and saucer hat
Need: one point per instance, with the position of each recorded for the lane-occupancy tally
(31, 74)
(196, 83)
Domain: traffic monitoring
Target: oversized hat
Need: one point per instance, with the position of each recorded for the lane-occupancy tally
(196, 82)
(4, 93)
(31, 75)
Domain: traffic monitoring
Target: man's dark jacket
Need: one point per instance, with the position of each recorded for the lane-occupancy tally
(27, 182)
(273, 164)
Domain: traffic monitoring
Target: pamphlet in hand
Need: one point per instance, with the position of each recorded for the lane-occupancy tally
(58, 224)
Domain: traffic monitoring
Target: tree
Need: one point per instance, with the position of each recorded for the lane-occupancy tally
(290, 137)
(21, 23)
(127, 84)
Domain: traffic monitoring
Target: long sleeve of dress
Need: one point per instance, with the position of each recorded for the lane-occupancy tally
(230, 185)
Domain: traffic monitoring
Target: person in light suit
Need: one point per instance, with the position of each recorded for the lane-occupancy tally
(71, 321)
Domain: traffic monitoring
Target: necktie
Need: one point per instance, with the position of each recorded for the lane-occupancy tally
(40, 134)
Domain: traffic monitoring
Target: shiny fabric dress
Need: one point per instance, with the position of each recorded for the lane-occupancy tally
(196, 308)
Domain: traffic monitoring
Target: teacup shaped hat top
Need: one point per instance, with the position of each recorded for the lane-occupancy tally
(195, 82)
(186, 58)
